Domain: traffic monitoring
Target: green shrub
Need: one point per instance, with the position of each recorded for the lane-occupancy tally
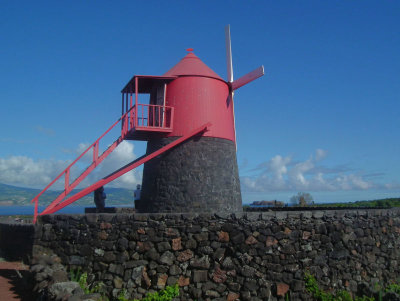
(394, 287)
(89, 288)
(75, 274)
(167, 294)
(313, 288)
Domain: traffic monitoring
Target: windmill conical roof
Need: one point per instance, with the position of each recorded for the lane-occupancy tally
(191, 65)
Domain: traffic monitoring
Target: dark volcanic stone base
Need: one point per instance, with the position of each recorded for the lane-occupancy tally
(199, 175)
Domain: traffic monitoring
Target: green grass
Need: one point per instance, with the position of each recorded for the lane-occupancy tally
(385, 203)
(318, 294)
(167, 294)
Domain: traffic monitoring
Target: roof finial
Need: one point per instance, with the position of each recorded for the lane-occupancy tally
(189, 49)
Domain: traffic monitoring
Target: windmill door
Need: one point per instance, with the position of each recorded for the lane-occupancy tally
(157, 106)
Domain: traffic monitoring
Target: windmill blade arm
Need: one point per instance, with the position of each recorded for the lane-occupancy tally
(228, 53)
(249, 77)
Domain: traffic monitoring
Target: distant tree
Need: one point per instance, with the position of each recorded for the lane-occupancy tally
(302, 199)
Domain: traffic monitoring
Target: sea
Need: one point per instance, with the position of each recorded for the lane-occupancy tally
(29, 210)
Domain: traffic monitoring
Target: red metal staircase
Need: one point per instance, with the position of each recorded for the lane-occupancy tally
(156, 119)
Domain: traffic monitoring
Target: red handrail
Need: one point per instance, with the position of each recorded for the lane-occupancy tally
(96, 160)
(130, 121)
(154, 116)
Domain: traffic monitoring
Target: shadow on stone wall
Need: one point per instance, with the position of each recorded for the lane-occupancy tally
(16, 241)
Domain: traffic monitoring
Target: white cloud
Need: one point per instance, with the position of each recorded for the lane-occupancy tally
(280, 173)
(25, 171)
(121, 156)
(284, 174)
(273, 174)
(296, 174)
(347, 182)
(320, 154)
(392, 185)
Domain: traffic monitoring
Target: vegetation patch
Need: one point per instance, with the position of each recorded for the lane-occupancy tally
(167, 294)
(378, 294)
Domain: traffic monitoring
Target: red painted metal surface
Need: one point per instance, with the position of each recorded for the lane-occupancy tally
(195, 95)
(192, 65)
(123, 170)
(197, 100)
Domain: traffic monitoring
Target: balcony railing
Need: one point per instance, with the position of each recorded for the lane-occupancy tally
(145, 117)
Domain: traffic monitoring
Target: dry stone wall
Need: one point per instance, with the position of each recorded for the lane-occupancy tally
(253, 256)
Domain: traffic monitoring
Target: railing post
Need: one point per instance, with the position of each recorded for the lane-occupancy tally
(136, 96)
(126, 102)
(165, 120)
(126, 124)
(122, 113)
(95, 152)
(154, 116)
(163, 116)
(35, 213)
(123, 95)
(142, 106)
(159, 116)
(131, 114)
(171, 122)
(66, 180)
(123, 127)
(134, 109)
(164, 103)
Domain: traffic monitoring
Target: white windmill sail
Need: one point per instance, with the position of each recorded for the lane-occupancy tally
(236, 84)
(249, 77)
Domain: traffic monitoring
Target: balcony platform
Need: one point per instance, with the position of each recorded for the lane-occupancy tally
(146, 133)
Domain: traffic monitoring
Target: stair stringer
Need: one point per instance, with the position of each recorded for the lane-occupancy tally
(122, 171)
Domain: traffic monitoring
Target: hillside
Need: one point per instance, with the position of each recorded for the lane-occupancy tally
(12, 195)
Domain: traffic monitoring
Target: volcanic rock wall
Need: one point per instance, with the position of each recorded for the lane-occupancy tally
(253, 256)
(199, 175)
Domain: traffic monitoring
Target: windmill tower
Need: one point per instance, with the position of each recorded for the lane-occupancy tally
(190, 163)
(201, 174)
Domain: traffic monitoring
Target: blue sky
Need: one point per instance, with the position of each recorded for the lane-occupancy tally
(324, 119)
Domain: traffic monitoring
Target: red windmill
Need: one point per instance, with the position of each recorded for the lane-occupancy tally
(190, 163)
